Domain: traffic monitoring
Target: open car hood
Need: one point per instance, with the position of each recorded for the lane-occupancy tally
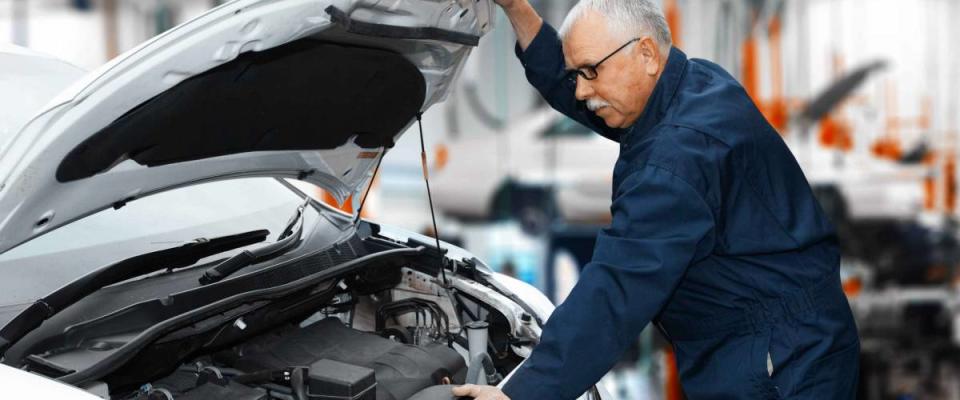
(310, 89)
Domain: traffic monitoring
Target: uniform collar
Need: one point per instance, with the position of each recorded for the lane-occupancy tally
(662, 95)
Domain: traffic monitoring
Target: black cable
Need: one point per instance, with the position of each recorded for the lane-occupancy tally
(370, 186)
(464, 308)
(433, 216)
(422, 308)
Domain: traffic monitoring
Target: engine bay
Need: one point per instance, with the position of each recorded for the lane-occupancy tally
(323, 360)
(386, 330)
(369, 317)
(392, 344)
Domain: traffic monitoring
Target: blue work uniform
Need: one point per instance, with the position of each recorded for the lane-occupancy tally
(716, 237)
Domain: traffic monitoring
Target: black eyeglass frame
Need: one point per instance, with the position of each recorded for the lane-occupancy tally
(589, 72)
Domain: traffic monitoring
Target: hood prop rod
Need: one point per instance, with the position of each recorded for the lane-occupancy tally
(433, 215)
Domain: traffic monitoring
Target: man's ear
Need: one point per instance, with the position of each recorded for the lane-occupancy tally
(649, 53)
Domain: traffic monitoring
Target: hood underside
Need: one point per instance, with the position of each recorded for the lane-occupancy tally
(264, 101)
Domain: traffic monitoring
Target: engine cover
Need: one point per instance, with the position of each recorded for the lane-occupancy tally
(401, 370)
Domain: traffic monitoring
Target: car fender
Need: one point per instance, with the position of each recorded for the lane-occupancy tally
(19, 384)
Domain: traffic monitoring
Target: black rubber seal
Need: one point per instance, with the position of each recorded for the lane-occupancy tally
(341, 18)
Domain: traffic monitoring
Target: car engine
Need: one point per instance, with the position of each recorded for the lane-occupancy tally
(324, 360)
(393, 344)
(363, 319)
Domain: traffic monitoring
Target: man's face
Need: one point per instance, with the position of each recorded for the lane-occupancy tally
(624, 82)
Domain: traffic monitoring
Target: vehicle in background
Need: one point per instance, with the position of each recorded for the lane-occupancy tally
(539, 169)
(899, 257)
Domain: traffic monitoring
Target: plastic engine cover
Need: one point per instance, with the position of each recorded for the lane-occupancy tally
(401, 370)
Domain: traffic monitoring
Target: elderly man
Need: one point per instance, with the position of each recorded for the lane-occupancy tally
(716, 236)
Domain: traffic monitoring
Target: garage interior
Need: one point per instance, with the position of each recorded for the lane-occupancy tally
(866, 93)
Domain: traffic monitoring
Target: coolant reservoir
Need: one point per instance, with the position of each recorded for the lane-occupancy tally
(476, 339)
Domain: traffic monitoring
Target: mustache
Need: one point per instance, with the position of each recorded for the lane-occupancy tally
(596, 104)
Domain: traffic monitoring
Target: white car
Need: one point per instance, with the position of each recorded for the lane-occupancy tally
(151, 246)
(546, 166)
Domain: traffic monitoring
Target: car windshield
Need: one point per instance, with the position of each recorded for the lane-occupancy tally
(165, 220)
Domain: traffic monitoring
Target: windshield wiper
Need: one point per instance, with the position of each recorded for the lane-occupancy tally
(167, 259)
(287, 240)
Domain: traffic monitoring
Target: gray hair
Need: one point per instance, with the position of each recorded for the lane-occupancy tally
(630, 18)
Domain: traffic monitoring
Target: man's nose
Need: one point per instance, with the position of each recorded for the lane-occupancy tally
(584, 89)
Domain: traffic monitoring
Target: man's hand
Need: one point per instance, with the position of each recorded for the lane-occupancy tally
(479, 392)
(525, 20)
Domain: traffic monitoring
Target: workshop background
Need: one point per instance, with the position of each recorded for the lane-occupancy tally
(865, 92)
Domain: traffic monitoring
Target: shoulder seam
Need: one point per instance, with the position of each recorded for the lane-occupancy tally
(656, 144)
(685, 182)
(700, 131)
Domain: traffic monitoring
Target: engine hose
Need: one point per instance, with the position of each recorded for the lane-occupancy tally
(298, 384)
(482, 363)
(159, 393)
(276, 391)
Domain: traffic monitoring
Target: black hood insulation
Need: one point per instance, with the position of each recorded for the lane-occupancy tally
(305, 95)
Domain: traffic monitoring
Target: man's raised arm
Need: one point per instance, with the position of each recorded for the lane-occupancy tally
(525, 20)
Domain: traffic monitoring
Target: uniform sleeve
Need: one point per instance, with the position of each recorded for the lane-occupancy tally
(660, 226)
(546, 71)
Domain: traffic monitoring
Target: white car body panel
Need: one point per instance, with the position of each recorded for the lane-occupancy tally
(534, 298)
(33, 201)
(19, 384)
(28, 81)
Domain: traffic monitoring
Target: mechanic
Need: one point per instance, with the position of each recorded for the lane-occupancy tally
(716, 236)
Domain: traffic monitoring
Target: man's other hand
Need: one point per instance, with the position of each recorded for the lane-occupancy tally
(479, 392)
(525, 20)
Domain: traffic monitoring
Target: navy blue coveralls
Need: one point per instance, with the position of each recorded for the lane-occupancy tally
(716, 237)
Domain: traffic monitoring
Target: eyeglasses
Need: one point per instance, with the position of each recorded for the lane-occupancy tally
(589, 72)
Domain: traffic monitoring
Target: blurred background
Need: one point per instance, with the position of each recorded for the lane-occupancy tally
(865, 92)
